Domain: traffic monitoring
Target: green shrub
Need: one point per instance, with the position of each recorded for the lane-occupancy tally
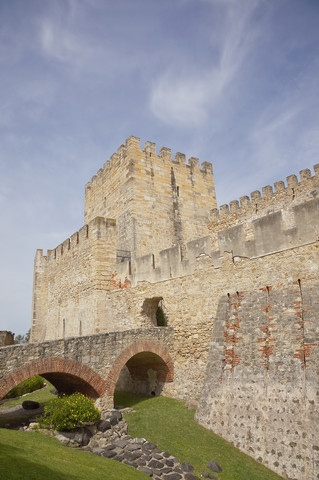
(27, 386)
(68, 412)
(160, 317)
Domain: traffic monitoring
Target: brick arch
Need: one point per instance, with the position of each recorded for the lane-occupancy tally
(54, 366)
(134, 349)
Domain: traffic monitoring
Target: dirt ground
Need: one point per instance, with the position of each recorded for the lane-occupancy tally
(13, 417)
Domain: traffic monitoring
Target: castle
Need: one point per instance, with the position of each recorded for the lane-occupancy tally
(238, 286)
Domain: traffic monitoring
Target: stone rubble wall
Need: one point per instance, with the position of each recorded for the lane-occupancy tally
(261, 383)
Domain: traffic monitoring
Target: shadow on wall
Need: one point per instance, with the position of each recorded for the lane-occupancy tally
(143, 374)
(153, 311)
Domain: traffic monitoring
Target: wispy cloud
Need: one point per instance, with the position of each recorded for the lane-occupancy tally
(179, 99)
(65, 37)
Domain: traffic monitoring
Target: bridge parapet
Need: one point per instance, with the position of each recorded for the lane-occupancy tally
(94, 359)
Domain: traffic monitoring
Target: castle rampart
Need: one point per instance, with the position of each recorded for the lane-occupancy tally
(283, 198)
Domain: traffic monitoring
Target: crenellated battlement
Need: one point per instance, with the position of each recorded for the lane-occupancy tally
(281, 196)
(133, 144)
(98, 229)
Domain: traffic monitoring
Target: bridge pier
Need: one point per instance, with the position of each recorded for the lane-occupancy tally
(106, 402)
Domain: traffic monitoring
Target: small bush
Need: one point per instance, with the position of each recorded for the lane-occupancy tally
(160, 317)
(68, 412)
(27, 386)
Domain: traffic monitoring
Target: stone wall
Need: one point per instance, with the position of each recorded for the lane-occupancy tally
(6, 338)
(148, 194)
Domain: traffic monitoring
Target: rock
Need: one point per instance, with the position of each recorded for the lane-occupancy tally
(62, 439)
(33, 425)
(87, 431)
(139, 440)
(133, 455)
(186, 467)
(109, 453)
(117, 414)
(212, 465)
(98, 451)
(67, 434)
(158, 456)
(78, 438)
(103, 425)
(209, 475)
(110, 446)
(54, 391)
(118, 458)
(190, 476)
(172, 476)
(167, 470)
(155, 464)
(133, 446)
(122, 443)
(157, 473)
(30, 405)
(114, 420)
(146, 470)
(148, 446)
(85, 439)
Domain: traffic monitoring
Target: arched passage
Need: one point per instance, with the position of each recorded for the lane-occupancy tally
(66, 375)
(140, 358)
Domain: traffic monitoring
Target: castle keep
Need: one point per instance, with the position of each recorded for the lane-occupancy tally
(238, 288)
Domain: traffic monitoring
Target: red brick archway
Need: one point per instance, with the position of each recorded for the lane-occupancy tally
(60, 371)
(142, 346)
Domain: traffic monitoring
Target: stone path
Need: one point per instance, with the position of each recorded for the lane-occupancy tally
(146, 457)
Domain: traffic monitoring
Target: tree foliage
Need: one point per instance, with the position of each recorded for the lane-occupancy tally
(22, 338)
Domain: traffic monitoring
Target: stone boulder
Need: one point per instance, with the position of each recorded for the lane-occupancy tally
(30, 405)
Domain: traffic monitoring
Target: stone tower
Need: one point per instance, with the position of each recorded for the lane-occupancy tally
(157, 202)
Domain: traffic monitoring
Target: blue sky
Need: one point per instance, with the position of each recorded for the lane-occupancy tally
(233, 82)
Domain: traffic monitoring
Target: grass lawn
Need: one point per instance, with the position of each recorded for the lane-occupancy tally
(170, 425)
(42, 396)
(164, 421)
(34, 456)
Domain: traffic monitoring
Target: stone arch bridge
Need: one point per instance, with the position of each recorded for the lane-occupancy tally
(92, 364)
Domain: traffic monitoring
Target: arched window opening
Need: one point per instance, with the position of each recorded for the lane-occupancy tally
(153, 310)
